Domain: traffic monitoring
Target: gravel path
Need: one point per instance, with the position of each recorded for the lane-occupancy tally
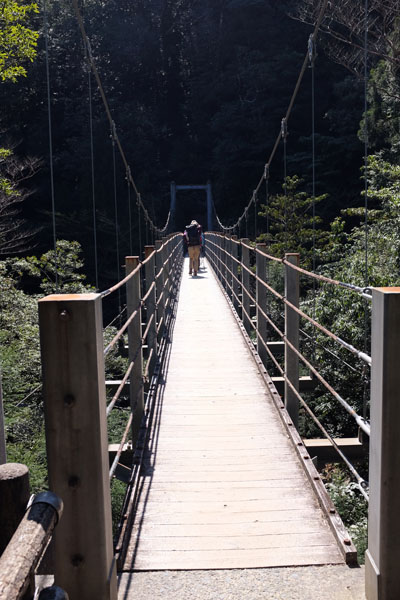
(300, 583)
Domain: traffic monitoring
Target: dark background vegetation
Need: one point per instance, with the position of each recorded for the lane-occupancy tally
(197, 90)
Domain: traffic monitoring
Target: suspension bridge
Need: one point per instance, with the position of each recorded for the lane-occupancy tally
(215, 472)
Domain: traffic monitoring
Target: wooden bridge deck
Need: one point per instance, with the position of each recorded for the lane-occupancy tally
(224, 487)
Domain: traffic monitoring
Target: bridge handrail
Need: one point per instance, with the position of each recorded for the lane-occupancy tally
(76, 412)
(28, 544)
(222, 262)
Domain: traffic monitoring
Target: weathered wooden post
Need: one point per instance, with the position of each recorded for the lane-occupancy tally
(218, 255)
(382, 573)
(135, 350)
(14, 496)
(235, 274)
(261, 295)
(24, 551)
(246, 284)
(229, 265)
(151, 305)
(292, 335)
(165, 277)
(224, 249)
(71, 335)
(159, 290)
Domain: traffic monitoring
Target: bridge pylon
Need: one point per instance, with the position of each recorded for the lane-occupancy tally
(207, 188)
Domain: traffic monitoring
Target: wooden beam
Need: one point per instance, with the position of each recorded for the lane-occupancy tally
(325, 452)
(306, 384)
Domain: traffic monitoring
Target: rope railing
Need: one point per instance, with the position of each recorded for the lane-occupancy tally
(222, 262)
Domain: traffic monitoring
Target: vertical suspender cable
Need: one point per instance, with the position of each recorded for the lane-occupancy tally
(284, 136)
(92, 173)
(311, 56)
(366, 277)
(255, 216)
(53, 209)
(266, 177)
(246, 223)
(116, 210)
(366, 141)
(129, 210)
(139, 225)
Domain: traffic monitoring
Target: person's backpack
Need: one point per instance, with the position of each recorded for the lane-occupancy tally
(193, 233)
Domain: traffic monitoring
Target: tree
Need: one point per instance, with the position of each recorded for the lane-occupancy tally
(17, 41)
(14, 236)
(17, 45)
(343, 29)
(291, 222)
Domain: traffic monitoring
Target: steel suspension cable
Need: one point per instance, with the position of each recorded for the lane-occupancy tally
(92, 174)
(129, 214)
(115, 209)
(50, 130)
(289, 110)
(284, 137)
(312, 56)
(139, 225)
(255, 216)
(109, 116)
(366, 277)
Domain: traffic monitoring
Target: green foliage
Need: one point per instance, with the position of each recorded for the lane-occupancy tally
(350, 504)
(291, 222)
(58, 271)
(20, 354)
(17, 41)
(118, 489)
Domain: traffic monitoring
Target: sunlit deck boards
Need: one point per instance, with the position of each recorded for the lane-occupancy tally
(224, 488)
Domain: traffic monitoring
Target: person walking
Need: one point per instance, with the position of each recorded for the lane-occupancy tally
(192, 237)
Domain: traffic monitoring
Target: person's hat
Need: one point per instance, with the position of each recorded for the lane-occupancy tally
(194, 222)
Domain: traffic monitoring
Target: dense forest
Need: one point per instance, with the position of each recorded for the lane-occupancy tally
(197, 91)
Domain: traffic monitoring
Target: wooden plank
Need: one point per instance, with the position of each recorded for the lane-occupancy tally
(235, 559)
(293, 526)
(230, 506)
(222, 483)
(219, 517)
(230, 542)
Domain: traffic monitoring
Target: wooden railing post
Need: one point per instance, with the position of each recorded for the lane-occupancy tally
(246, 285)
(235, 274)
(292, 335)
(71, 336)
(133, 303)
(14, 496)
(382, 573)
(165, 277)
(159, 290)
(224, 248)
(229, 265)
(261, 295)
(151, 305)
(218, 256)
